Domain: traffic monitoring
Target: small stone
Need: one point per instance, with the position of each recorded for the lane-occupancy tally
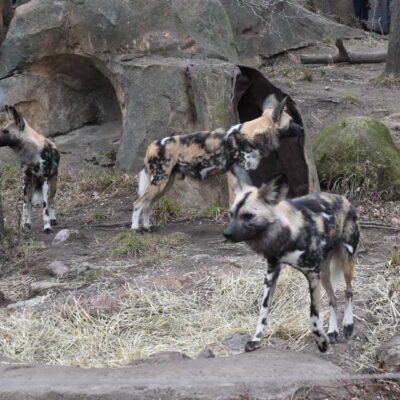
(39, 300)
(61, 236)
(236, 342)
(388, 355)
(276, 341)
(206, 353)
(65, 234)
(41, 286)
(327, 88)
(104, 161)
(3, 300)
(57, 269)
(163, 357)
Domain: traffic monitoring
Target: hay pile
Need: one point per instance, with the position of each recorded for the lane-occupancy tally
(153, 320)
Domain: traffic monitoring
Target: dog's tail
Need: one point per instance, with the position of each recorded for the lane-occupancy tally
(336, 265)
(144, 181)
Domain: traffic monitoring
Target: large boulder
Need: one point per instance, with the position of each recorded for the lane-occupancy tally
(139, 70)
(357, 155)
(154, 67)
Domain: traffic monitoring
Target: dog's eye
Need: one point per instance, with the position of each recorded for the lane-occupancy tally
(247, 216)
(5, 131)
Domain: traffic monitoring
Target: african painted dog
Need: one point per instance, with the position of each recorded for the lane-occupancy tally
(200, 155)
(39, 160)
(316, 234)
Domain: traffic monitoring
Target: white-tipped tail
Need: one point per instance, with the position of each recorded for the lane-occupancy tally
(37, 198)
(144, 181)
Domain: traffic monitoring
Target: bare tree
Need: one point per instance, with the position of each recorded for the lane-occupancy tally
(393, 60)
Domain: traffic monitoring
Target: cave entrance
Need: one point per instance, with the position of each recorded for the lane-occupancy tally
(250, 90)
(71, 99)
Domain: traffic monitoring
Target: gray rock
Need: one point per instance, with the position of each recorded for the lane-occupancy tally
(57, 268)
(388, 355)
(61, 236)
(206, 353)
(42, 286)
(31, 303)
(68, 234)
(276, 341)
(3, 300)
(163, 357)
(265, 374)
(236, 342)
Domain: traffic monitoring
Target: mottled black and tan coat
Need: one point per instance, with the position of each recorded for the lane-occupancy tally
(317, 234)
(39, 160)
(202, 154)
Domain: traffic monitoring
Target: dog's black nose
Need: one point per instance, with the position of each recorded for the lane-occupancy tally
(228, 234)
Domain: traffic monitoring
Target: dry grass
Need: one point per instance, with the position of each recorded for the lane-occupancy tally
(384, 306)
(153, 320)
(132, 244)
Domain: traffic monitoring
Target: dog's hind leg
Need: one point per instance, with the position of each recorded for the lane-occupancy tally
(53, 190)
(269, 288)
(316, 326)
(348, 321)
(27, 204)
(326, 281)
(163, 187)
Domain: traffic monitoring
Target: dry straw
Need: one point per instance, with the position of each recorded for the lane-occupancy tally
(156, 319)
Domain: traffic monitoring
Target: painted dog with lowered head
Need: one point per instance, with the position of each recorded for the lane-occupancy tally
(317, 234)
(39, 160)
(200, 155)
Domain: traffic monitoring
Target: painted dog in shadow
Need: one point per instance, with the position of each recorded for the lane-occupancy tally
(39, 160)
(200, 155)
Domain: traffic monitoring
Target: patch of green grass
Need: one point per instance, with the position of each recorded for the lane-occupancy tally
(16, 249)
(132, 244)
(389, 81)
(354, 186)
(98, 214)
(328, 39)
(96, 275)
(215, 212)
(166, 209)
(308, 75)
(349, 99)
(10, 181)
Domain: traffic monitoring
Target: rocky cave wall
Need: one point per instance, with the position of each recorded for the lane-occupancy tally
(160, 68)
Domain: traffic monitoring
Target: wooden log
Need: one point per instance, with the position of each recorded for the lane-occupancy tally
(344, 55)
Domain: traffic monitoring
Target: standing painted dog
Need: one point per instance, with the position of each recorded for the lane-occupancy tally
(200, 155)
(316, 234)
(39, 160)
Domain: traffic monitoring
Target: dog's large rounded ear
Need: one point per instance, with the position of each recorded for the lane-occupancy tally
(278, 111)
(291, 130)
(275, 190)
(16, 116)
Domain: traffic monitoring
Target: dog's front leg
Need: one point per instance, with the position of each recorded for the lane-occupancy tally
(320, 336)
(269, 287)
(46, 212)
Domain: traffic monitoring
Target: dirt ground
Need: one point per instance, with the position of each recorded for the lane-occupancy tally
(97, 274)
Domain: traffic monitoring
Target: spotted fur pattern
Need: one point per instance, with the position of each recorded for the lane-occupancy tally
(39, 160)
(317, 234)
(203, 154)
